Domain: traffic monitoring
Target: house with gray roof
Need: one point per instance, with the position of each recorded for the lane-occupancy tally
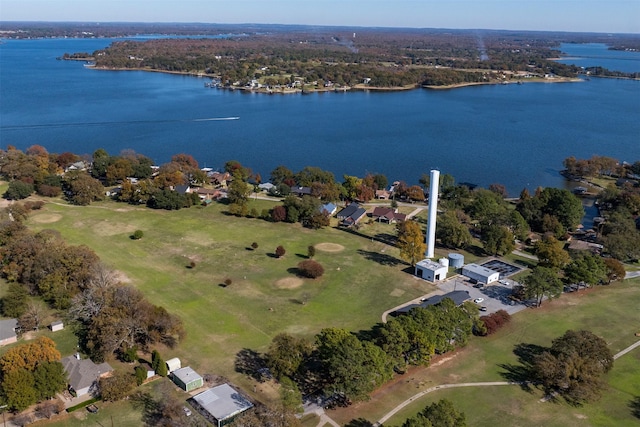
(83, 374)
(221, 404)
(8, 330)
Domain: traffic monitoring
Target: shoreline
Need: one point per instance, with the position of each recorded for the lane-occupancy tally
(358, 87)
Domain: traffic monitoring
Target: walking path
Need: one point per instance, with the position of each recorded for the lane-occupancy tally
(480, 384)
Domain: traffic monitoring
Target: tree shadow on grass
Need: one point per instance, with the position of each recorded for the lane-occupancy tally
(151, 410)
(523, 373)
(382, 259)
(360, 422)
(251, 363)
(634, 405)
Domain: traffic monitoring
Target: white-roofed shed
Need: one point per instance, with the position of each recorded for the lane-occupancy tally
(223, 403)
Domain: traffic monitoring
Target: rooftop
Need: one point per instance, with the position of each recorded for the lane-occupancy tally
(186, 375)
(8, 328)
(222, 402)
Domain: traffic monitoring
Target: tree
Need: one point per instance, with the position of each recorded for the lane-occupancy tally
(451, 232)
(310, 268)
(82, 189)
(286, 354)
(542, 282)
(280, 251)
(158, 364)
(18, 190)
(311, 251)
(574, 366)
(50, 407)
(18, 388)
(32, 316)
(497, 239)
(141, 374)
(290, 396)
(50, 378)
(411, 241)
(615, 270)
(117, 386)
(15, 302)
(278, 213)
(586, 267)
(443, 414)
(354, 368)
(550, 253)
(27, 356)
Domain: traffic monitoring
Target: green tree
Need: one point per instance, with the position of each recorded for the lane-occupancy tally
(50, 378)
(18, 190)
(586, 267)
(497, 239)
(451, 232)
(238, 194)
(574, 366)
(411, 241)
(290, 396)
(550, 253)
(18, 387)
(542, 282)
(158, 364)
(354, 368)
(286, 354)
(15, 301)
(615, 270)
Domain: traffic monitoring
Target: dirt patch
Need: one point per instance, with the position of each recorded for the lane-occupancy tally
(329, 247)
(289, 283)
(108, 228)
(397, 292)
(46, 218)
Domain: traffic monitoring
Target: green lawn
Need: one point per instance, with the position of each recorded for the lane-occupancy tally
(610, 312)
(362, 278)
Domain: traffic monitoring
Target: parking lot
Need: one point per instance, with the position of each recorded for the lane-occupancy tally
(495, 296)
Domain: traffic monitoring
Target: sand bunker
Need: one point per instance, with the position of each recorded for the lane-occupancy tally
(329, 247)
(46, 218)
(289, 283)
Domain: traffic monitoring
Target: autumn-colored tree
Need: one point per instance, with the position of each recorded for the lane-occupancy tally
(280, 251)
(278, 213)
(310, 268)
(411, 241)
(27, 356)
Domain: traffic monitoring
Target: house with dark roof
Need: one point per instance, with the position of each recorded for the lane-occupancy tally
(182, 189)
(301, 191)
(83, 374)
(8, 331)
(388, 215)
(350, 215)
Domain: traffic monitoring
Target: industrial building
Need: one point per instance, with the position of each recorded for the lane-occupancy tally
(479, 273)
(431, 270)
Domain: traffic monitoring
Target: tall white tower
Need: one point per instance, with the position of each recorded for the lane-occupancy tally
(433, 210)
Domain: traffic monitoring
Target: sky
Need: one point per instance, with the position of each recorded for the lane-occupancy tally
(603, 16)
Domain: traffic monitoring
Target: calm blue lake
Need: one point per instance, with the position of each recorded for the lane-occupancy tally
(516, 135)
(597, 54)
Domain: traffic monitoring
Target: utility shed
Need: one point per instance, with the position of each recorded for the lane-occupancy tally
(431, 271)
(187, 379)
(57, 326)
(173, 364)
(480, 273)
(221, 404)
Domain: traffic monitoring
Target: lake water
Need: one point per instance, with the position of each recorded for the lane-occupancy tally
(516, 135)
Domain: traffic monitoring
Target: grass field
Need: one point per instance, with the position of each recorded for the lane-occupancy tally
(362, 278)
(610, 312)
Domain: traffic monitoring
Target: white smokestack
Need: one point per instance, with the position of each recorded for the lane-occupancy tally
(433, 210)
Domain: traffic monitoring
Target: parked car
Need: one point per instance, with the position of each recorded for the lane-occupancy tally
(478, 300)
(483, 308)
(187, 411)
(92, 408)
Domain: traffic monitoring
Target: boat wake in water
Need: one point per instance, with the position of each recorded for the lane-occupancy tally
(127, 122)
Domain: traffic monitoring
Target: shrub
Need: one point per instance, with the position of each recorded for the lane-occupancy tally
(311, 269)
(141, 375)
(280, 251)
(130, 355)
(493, 322)
(311, 251)
(278, 214)
(137, 235)
(192, 264)
(254, 245)
(49, 190)
(227, 282)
